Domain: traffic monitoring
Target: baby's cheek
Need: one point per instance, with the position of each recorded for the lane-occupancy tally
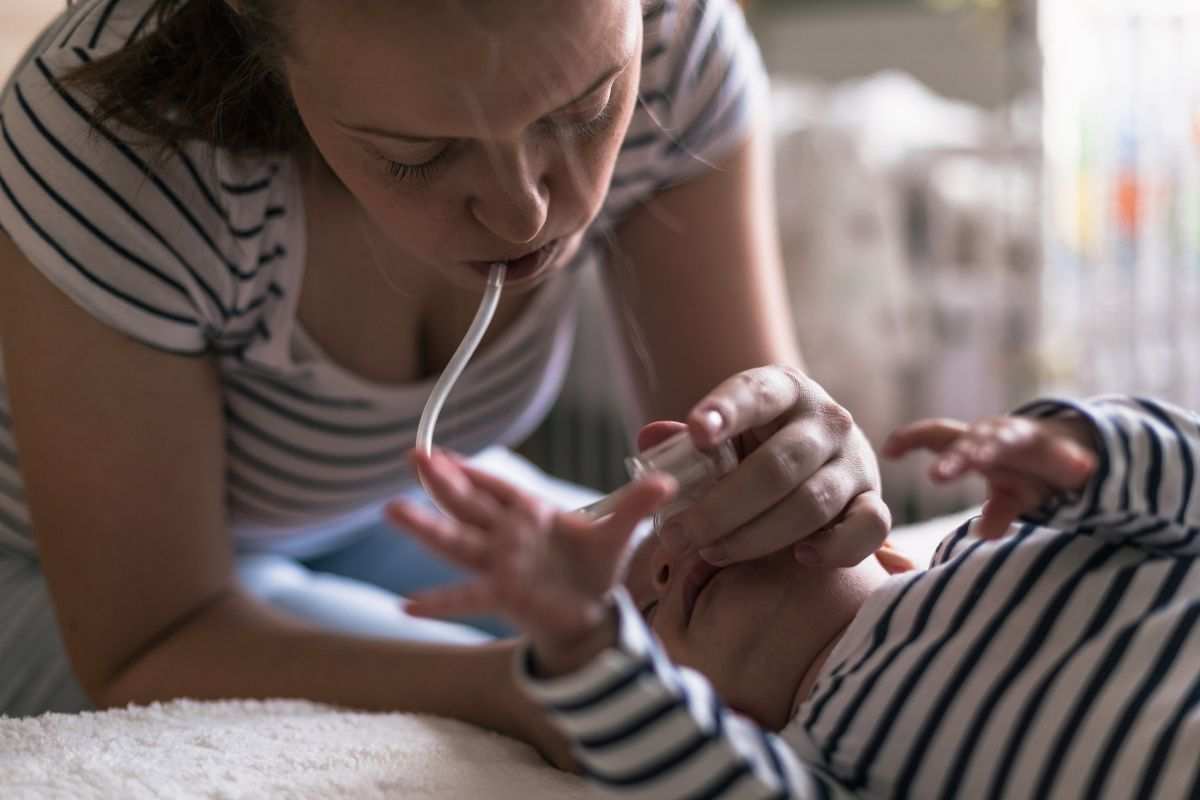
(678, 651)
(638, 579)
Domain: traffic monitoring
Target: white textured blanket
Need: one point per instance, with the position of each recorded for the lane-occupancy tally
(289, 749)
(279, 748)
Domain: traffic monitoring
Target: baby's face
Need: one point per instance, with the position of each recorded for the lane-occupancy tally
(752, 628)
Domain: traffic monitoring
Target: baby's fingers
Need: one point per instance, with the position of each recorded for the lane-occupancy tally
(501, 490)
(1038, 450)
(453, 540)
(461, 600)
(1010, 495)
(927, 434)
(1034, 449)
(455, 490)
(999, 513)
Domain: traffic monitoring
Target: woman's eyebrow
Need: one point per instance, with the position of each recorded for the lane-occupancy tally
(608, 75)
(408, 138)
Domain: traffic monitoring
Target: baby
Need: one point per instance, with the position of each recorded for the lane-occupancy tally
(1055, 656)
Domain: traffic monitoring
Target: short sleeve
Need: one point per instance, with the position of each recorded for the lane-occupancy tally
(703, 86)
(716, 83)
(132, 233)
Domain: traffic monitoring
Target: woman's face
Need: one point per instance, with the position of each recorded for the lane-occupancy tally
(469, 131)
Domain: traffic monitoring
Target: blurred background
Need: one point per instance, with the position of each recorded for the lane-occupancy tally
(979, 200)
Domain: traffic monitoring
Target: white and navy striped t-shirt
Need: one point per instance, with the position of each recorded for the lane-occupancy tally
(1060, 661)
(202, 253)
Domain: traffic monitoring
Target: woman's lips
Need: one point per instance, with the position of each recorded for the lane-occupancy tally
(697, 578)
(517, 268)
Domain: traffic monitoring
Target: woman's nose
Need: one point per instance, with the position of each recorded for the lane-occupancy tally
(515, 203)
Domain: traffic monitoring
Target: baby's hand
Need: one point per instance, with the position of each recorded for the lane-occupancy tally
(1025, 461)
(548, 571)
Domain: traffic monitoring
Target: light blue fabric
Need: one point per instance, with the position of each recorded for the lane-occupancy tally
(355, 589)
(359, 588)
(35, 675)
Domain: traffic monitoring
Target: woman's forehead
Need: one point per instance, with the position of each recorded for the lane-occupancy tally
(454, 66)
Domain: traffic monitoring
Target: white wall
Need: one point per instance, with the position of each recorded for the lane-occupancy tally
(958, 54)
(20, 20)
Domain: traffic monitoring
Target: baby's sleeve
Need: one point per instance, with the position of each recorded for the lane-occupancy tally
(713, 87)
(107, 220)
(1143, 492)
(643, 727)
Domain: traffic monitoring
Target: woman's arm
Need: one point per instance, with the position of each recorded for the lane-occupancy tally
(122, 452)
(697, 271)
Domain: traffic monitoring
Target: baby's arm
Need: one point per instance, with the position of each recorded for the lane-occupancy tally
(644, 727)
(1115, 468)
(640, 725)
(1145, 484)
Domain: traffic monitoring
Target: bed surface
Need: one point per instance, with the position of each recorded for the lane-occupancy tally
(290, 749)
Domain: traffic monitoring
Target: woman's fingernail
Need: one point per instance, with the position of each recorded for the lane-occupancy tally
(713, 421)
(807, 555)
(715, 555)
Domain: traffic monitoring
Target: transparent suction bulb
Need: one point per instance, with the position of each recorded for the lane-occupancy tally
(694, 470)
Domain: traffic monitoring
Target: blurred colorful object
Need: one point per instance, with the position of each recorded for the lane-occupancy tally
(1121, 91)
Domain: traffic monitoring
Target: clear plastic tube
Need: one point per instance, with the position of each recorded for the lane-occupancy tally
(694, 470)
(458, 362)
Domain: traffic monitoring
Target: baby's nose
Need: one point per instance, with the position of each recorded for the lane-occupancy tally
(662, 577)
(662, 565)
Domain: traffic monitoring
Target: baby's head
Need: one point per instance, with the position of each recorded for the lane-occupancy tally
(755, 628)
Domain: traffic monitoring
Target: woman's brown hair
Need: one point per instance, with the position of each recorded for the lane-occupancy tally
(201, 71)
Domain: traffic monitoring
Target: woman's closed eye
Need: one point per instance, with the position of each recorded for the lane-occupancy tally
(588, 118)
(584, 120)
(421, 168)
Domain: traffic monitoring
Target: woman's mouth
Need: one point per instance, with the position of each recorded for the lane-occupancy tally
(694, 583)
(525, 266)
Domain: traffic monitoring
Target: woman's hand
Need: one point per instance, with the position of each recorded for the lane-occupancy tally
(548, 571)
(1024, 461)
(807, 478)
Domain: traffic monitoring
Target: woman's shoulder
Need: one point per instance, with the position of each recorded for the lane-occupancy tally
(46, 113)
(702, 78)
(90, 30)
(172, 244)
(690, 47)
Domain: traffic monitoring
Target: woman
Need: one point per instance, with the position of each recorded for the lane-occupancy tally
(244, 238)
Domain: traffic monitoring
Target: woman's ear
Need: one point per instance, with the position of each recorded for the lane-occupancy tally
(892, 560)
